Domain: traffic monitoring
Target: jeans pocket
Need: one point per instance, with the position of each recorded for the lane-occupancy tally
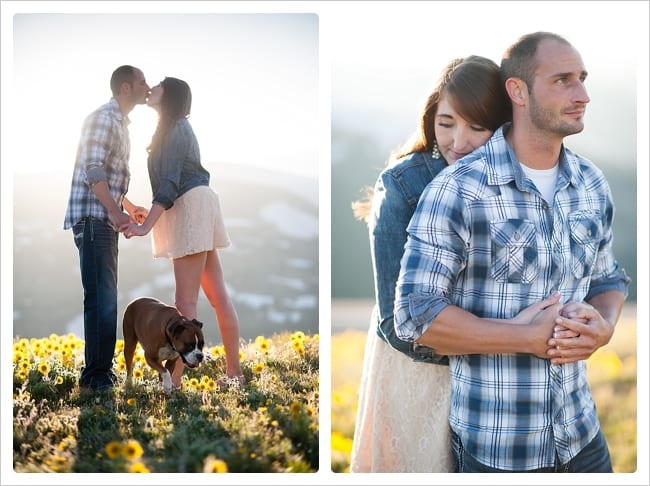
(514, 251)
(78, 233)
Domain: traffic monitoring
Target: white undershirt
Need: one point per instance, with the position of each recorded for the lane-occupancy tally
(544, 180)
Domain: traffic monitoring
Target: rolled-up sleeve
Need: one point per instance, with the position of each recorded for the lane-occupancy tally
(97, 141)
(607, 274)
(433, 256)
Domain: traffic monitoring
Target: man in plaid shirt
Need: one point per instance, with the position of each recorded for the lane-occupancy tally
(95, 210)
(519, 219)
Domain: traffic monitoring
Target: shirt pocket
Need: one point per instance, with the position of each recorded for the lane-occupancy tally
(514, 251)
(586, 232)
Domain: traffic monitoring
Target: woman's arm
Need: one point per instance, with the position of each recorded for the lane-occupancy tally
(135, 229)
(137, 213)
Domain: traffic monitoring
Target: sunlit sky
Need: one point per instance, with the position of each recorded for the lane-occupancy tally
(263, 75)
(384, 64)
(254, 80)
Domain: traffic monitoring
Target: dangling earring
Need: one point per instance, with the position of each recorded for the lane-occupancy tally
(435, 153)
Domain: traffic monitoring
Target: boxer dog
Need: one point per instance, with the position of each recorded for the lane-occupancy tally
(164, 334)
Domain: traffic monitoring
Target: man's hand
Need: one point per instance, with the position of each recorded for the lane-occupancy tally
(133, 229)
(591, 331)
(118, 219)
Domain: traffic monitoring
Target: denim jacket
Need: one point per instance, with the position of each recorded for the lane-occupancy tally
(396, 196)
(176, 167)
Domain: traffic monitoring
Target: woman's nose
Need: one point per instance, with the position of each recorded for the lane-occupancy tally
(460, 139)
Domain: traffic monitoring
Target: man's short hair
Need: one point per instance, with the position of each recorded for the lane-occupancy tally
(123, 74)
(519, 59)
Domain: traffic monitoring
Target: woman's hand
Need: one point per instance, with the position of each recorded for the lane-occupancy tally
(527, 315)
(139, 214)
(133, 229)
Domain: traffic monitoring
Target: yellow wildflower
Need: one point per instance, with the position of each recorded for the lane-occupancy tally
(132, 449)
(44, 368)
(113, 449)
(214, 465)
(138, 467)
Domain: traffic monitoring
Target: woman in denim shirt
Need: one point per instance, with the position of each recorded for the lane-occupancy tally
(186, 220)
(401, 423)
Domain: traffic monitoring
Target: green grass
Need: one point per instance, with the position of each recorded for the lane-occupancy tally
(268, 425)
(612, 372)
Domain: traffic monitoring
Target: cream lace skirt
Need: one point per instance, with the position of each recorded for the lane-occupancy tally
(192, 225)
(402, 416)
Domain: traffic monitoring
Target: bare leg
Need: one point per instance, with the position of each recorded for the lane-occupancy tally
(187, 273)
(214, 288)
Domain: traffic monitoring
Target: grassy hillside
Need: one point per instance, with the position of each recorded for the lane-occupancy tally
(268, 425)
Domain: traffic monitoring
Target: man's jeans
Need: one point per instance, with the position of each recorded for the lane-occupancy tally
(594, 458)
(97, 244)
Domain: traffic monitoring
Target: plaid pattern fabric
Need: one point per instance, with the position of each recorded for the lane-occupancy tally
(102, 155)
(484, 239)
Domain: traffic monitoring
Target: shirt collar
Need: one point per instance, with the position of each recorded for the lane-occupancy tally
(117, 113)
(504, 167)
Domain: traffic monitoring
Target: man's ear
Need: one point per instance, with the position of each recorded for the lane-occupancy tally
(517, 90)
(125, 88)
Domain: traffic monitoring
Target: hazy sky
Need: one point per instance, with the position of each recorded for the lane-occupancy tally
(384, 64)
(254, 80)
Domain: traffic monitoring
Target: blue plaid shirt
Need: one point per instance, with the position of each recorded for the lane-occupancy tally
(484, 239)
(102, 155)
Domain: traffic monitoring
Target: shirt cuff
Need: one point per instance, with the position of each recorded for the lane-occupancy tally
(95, 175)
(422, 310)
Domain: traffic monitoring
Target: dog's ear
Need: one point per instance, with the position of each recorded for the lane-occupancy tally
(175, 327)
(199, 324)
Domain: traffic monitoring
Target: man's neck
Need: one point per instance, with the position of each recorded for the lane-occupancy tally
(125, 106)
(533, 148)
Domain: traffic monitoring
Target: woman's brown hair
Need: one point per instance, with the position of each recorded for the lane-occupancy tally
(474, 89)
(175, 104)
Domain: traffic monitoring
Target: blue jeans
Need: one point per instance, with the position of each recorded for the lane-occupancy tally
(97, 244)
(594, 458)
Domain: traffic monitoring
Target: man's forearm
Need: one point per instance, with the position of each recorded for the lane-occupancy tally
(456, 331)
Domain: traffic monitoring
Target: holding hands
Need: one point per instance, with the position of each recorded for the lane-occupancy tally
(578, 329)
(579, 332)
(133, 229)
(134, 226)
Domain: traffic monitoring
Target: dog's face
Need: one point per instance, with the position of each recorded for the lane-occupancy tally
(186, 337)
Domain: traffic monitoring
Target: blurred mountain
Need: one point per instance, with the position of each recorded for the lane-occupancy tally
(271, 268)
(357, 160)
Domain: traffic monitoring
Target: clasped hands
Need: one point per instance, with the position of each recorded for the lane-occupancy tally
(578, 332)
(131, 224)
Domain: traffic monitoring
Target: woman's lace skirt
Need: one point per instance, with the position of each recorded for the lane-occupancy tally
(192, 225)
(402, 416)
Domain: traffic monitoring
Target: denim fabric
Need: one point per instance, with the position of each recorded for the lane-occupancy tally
(423, 354)
(97, 245)
(176, 167)
(594, 458)
(396, 196)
